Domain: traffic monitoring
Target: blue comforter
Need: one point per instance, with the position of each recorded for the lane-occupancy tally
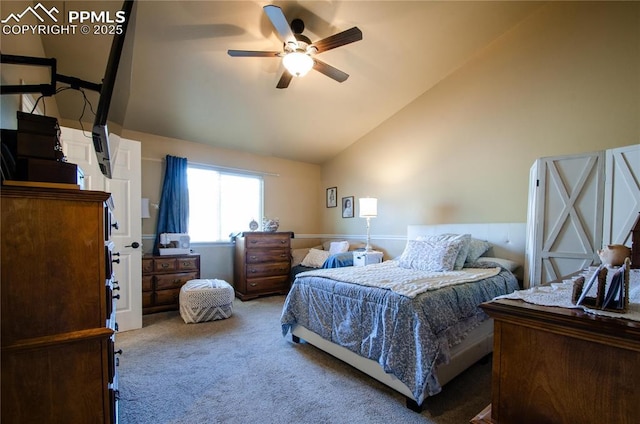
(407, 337)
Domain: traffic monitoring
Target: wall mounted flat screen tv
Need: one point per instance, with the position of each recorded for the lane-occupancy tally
(100, 132)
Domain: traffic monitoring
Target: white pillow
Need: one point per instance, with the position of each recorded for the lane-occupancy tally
(430, 255)
(338, 247)
(504, 263)
(298, 255)
(464, 249)
(315, 258)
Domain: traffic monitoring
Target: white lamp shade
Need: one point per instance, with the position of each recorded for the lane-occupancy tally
(368, 207)
(297, 63)
(144, 208)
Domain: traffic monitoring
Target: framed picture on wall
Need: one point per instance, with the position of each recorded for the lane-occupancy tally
(347, 207)
(332, 197)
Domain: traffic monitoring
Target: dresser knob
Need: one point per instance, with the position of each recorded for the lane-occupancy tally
(253, 284)
(118, 352)
(115, 261)
(116, 296)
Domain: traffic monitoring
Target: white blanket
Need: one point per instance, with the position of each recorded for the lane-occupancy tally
(406, 282)
(560, 295)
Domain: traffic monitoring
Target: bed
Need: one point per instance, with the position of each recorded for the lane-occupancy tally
(396, 338)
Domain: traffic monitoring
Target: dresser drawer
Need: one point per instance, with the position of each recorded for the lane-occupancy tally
(167, 297)
(267, 241)
(162, 278)
(268, 269)
(147, 266)
(147, 283)
(267, 284)
(171, 281)
(165, 264)
(147, 299)
(187, 264)
(271, 255)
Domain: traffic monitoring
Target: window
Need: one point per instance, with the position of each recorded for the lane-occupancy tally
(221, 203)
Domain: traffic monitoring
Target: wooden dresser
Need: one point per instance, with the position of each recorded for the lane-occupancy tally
(162, 279)
(58, 310)
(262, 264)
(558, 365)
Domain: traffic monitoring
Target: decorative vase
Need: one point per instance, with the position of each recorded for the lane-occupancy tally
(270, 225)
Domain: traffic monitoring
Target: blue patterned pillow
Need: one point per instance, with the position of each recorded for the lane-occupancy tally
(476, 249)
(430, 255)
(464, 249)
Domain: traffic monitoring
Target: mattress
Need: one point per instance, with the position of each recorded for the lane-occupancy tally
(407, 337)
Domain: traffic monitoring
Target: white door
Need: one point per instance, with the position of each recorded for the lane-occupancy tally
(621, 194)
(126, 192)
(565, 220)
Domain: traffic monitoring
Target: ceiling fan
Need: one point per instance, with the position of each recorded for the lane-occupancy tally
(298, 53)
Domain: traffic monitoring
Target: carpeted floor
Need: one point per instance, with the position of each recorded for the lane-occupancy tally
(242, 370)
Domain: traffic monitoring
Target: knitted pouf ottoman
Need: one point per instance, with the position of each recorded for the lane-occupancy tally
(206, 300)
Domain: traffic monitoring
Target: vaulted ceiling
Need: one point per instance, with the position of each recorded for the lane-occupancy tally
(182, 83)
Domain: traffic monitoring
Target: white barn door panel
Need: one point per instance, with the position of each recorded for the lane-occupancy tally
(622, 194)
(565, 215)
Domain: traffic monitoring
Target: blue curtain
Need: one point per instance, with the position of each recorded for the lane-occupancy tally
(173, 216)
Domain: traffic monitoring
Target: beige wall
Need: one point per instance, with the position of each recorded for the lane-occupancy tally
(289, 195)
(566, 80)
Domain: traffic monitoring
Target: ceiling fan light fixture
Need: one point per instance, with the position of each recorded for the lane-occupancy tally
(297, 63)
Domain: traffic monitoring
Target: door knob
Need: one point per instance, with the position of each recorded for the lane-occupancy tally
(135, 245)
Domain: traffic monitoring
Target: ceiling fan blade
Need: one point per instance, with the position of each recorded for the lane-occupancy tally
(285, 79)
(330, 71)
(279, 21)
(340, 39)
(249, 53)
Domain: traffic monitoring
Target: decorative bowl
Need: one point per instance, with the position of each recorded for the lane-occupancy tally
(270, 225)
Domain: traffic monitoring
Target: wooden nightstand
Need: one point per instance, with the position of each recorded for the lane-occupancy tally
(362, 257)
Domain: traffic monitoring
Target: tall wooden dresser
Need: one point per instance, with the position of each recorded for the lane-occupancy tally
(262, 264)
(58, 310)
(162, 279)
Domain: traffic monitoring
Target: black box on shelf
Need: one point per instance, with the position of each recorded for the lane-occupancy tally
(38, 124)
(38, 146)
(43, 170)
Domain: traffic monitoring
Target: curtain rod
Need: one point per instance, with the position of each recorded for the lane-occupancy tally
(226, 168)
